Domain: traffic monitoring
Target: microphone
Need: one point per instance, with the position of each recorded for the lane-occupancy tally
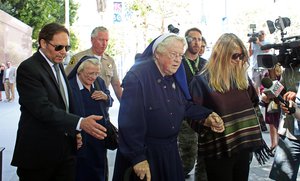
(274, 88)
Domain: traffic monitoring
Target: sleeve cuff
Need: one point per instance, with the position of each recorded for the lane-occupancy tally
(78, 125)
(138, 159)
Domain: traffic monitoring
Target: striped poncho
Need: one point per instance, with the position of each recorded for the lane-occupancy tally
(237, 109)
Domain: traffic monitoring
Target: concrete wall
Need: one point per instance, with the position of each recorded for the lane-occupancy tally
(15, 39)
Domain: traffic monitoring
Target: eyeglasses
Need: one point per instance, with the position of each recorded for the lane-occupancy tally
(191, 39)
(237, 56)
(92, 74)
(60, 47)
(175, 55)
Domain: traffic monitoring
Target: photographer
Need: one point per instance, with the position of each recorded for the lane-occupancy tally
(254, 50)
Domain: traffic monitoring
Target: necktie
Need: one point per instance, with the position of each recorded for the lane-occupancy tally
(61, 87)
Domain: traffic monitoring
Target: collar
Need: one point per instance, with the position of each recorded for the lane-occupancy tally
(98, 57)
(80, 85)
(49, 62)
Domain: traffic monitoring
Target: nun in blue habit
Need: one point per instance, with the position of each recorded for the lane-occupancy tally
(91, 98)
(154, 102)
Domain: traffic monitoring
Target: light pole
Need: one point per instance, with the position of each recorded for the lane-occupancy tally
(67, 15)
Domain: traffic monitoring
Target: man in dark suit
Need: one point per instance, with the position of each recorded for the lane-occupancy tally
(46, 138)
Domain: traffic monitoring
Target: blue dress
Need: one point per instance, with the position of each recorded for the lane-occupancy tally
(151, 110)
(91, 157)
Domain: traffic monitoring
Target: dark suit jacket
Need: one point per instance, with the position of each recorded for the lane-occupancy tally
(45, 128)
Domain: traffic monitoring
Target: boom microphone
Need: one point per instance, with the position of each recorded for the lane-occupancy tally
(274, 88)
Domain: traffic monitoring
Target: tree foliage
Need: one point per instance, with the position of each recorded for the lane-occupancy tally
(37, 13)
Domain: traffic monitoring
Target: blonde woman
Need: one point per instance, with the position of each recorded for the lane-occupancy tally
(224, 87)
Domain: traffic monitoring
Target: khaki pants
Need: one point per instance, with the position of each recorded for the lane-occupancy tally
(9, 90)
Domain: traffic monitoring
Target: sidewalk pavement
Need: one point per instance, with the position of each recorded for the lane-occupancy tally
(10, 113)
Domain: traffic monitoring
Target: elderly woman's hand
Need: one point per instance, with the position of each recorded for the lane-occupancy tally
(142, 170)
(99, 95)
(215, 122)
(79, 140)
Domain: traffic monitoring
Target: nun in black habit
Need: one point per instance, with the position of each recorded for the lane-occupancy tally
(154, 102)
(91, 98)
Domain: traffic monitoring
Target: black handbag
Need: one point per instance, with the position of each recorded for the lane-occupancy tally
(111, 140)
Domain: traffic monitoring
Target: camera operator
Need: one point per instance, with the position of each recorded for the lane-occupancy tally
(254, 50)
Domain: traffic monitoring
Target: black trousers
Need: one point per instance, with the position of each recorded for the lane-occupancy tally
(64, 170)
(235, 168)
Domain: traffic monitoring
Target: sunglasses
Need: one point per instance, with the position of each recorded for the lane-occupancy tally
(190, 39)
(237, 56)
(60, 47)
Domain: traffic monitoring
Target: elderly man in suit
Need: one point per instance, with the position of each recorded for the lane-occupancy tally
(46, 138)
(9, 80)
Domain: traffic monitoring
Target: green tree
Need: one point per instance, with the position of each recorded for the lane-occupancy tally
(37, 13)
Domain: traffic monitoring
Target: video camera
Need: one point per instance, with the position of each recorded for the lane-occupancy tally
(173, 29)
(289, 49)
(254, 35)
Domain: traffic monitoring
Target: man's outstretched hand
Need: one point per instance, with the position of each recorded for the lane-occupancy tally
(90, 126)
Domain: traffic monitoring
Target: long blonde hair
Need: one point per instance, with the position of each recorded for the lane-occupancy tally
(224, 75)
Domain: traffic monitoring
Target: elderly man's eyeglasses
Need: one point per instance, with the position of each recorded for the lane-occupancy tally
(60, 47)
(237, 56)
(175, 55)
(92, 74)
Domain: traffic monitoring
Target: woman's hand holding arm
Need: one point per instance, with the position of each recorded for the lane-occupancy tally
(215, 122)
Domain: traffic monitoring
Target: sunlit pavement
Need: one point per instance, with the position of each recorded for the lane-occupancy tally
(9, 117)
